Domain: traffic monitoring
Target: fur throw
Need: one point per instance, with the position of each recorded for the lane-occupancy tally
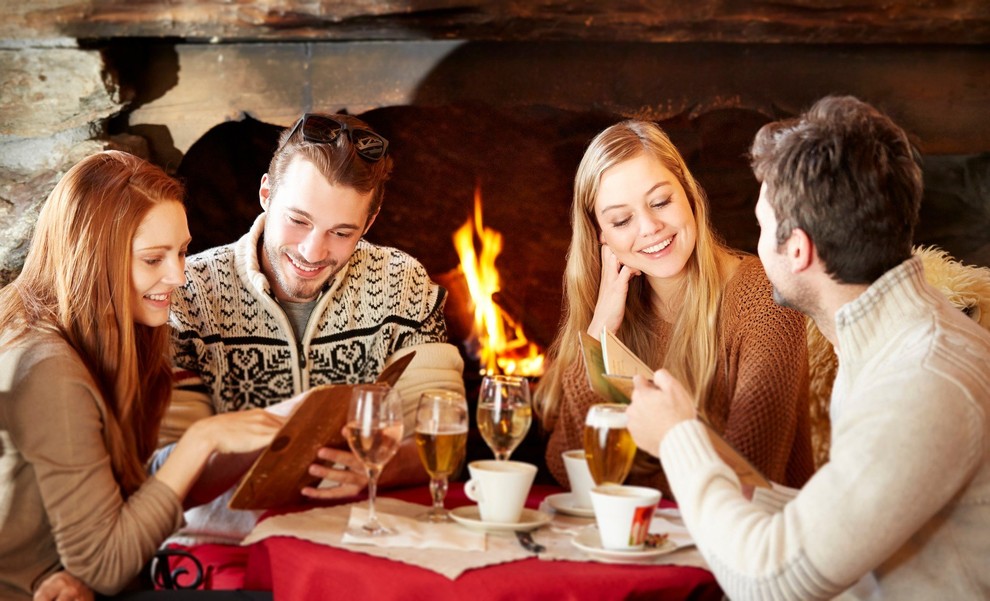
(966, 286)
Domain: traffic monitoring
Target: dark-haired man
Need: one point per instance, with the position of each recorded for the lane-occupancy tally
(902, 508)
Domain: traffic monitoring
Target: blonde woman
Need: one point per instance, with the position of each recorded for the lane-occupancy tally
(85, 376)
(645, 264)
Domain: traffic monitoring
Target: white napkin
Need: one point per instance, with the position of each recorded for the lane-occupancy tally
(326, 525)
(411, 533)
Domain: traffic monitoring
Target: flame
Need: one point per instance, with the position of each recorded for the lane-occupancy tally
(503, 346)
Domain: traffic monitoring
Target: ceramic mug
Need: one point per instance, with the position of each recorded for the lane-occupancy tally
(500, 488)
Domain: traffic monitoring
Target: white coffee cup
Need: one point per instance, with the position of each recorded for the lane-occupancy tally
(500, 488)
(579, 477)
(623, 514)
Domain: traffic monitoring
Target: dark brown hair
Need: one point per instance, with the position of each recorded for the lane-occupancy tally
(336, 161)
(848, 176)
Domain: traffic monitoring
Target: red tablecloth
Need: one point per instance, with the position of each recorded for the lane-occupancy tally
(299, 570)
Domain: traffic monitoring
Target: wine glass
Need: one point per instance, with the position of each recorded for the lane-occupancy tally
(374, 433)
(441, 438)
(504, 413)
(608, 445)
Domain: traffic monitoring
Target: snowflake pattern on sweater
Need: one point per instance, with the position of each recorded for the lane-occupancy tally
(230, 331)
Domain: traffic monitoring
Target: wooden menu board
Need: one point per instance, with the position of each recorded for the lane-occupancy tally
(282, 469)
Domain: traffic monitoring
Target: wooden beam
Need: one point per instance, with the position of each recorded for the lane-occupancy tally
(757, 21)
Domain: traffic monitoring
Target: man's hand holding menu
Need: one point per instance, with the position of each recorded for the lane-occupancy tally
(309, 448)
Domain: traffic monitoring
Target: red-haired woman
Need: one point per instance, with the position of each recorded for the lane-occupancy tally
(85, 377)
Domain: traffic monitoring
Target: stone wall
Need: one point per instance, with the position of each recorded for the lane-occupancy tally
(53, 104)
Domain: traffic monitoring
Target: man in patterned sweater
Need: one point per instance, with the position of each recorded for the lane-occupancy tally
(302, 300)
(902, 508)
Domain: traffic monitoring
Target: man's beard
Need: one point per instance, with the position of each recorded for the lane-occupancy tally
(800, 299)
(301, 291)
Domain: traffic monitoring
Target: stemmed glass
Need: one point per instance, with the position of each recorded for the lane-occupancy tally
(441, 438)
(374, 433)
(504, 413)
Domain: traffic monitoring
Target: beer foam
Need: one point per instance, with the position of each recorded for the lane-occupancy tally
(432, 428)
(607, 419)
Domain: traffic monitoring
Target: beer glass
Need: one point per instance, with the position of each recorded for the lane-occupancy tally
(504, 413)
(608, 446)
(374, 433)
(441, 439)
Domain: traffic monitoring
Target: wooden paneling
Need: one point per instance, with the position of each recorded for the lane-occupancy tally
(940, 94)
(795, 21)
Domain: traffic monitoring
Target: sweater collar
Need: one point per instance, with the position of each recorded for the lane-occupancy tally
(247, 251)
(897, 297)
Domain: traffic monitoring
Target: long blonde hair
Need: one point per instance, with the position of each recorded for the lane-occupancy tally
(76, 282)
(692, 353)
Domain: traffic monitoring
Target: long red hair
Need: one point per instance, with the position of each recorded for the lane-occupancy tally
(76, 281)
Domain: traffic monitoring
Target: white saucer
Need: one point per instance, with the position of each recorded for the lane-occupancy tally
(564, 503)
(470, 516)
(588, 541)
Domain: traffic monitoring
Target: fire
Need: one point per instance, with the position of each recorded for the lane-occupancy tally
(502, 344)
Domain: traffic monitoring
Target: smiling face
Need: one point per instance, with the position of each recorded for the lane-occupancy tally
(645, 217)
(311, 230)
(158, 262)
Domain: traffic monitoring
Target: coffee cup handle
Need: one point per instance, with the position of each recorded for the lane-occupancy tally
(473, 490)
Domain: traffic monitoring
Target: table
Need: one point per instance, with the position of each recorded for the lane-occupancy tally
(298, 570)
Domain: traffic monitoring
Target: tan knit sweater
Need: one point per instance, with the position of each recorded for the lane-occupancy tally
(60, 506)
(759, 395)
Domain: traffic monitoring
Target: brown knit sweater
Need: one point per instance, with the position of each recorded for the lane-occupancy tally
(759, 394)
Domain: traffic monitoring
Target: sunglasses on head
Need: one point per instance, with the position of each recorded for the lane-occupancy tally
(325, 130)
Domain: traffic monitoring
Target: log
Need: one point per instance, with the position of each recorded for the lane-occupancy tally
(783, 21)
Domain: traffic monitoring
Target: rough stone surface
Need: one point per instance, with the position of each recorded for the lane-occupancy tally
(21, 198)
(44, 91)
(54, 103)
(939, 94)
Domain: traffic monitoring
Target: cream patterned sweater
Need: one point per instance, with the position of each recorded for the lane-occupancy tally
(904, 501)
(235, 347)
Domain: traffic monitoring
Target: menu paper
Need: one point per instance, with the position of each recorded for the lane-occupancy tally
(282, 469)
(611, 366)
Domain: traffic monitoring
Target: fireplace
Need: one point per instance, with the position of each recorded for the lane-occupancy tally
(522, 159)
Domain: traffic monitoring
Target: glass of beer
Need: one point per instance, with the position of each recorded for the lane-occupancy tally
(504, 413)
(441, 439)
(608, 446)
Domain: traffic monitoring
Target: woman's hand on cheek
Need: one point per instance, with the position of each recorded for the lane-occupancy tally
(612, 291)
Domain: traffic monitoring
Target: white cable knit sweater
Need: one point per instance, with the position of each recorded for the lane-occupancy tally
(904, 501)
